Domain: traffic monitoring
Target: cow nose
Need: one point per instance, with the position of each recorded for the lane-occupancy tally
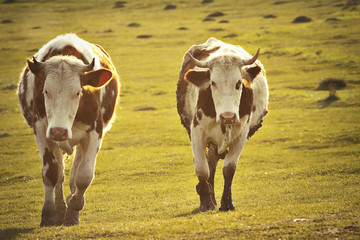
(227, 118)
(58, 134)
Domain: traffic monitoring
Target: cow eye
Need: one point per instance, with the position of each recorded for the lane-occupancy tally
(77, 95)
(238, 84)
(212, 83)
(47, 94)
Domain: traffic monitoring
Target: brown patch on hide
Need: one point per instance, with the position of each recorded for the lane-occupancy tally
(109, 101)
(199, 114)
(197, 117)
(180, 96)
(39, 102)
(195, 121)
(246, 102)
(51, 173)
(88, 110)
(27, 110)
(206, 102)
(99, 127)
(65, 51)
(200, 54)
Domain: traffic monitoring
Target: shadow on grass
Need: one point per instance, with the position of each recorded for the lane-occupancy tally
(327, 101)
(193, 212)
(12, 233)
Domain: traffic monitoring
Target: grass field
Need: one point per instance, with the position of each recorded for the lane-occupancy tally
(299, 175)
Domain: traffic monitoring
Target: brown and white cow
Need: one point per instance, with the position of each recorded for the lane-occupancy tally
(67, 94)
(222, 97)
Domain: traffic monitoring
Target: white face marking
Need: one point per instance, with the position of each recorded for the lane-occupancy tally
(226, 88)
(62, 90)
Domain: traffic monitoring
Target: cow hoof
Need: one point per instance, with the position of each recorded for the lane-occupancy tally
(48, 215)
(206, 203)
(76, 204)
(71, 218)
(60, 212)
(225, 208)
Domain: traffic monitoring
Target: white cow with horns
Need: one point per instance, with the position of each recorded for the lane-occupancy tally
(67, 94)
(222, 97)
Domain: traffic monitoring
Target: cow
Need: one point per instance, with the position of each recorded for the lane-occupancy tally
(67, 94)
(222, 97)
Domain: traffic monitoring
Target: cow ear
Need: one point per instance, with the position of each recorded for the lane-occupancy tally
(251, 73)
(96, 78)
(35, 66)
(197, 78)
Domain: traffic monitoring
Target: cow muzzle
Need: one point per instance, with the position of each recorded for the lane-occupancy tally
(59, 134)
(227, 118)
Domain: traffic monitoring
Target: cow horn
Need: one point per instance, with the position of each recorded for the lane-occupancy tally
(37, 64)
(253, 59)
(90, 66)
(198, 63)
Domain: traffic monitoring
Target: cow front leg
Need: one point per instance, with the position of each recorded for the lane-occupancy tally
(72, 217)
(213, 159)
(49, 175)
(226, 199)
(53, 210)
(89, 148)
(204, 189)
(229, 168)
(59, 196)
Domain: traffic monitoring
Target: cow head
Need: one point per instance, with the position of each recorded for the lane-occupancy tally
(226, 77)
(61, 79)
